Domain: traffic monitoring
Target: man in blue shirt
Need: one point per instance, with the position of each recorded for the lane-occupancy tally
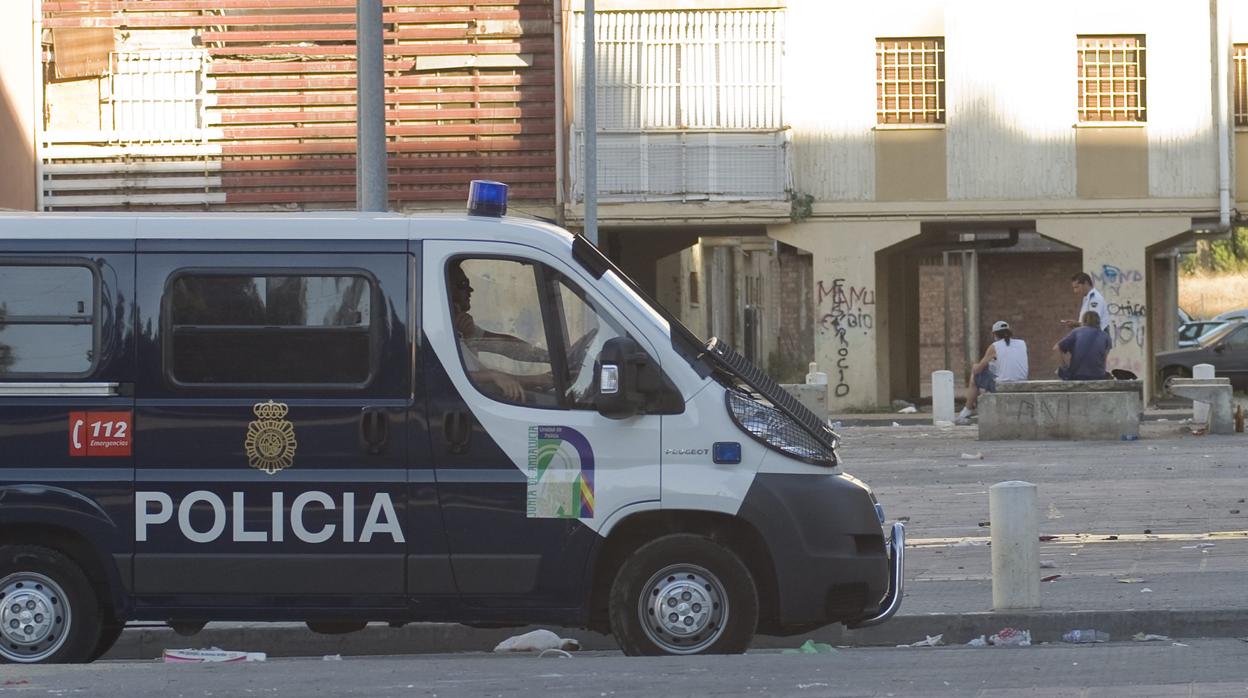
(1084, 351)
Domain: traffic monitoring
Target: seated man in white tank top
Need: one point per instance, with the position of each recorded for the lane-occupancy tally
(1005, 360)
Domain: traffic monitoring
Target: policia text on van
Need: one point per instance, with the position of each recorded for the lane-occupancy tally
(344, 418)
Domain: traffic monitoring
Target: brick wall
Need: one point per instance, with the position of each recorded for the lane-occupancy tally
(932, 320)
(795, 340)
(1030, 291)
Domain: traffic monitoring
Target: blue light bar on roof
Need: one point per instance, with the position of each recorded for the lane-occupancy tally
(486, 198)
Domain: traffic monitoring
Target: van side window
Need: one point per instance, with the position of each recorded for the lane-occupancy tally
(262, 329)
(526, 334)
(47, 320)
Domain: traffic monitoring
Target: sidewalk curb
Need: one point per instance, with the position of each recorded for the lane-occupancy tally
(295, 640)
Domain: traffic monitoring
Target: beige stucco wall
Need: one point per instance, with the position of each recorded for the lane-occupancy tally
(1115, 254)
(851, 337)
(1112, 163)
(17, 106)
(910, 164)
(1011, 97)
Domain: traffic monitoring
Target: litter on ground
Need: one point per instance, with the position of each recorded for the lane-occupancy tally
(537, 641)
(930, 641)
(1149, 637)
(1010, 637)
(214, 654)
(812, 647)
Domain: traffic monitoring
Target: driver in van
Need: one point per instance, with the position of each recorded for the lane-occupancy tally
(474, 339)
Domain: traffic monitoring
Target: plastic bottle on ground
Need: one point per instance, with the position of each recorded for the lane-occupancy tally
(1084, 636)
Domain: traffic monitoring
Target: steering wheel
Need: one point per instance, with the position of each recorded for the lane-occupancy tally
(579, 348)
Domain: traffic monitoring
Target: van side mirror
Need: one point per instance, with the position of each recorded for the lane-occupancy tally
(626, 376)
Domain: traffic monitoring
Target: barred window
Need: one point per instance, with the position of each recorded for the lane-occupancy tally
(910, 81)
(1241, 85)
(1111, 78)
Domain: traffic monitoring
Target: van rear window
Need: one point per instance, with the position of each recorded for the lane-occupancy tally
(47, 316)
(260, 329)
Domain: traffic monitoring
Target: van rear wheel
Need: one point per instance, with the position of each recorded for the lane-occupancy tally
(683, 594)
(48, 610)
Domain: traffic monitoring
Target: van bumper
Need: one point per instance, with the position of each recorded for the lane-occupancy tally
(896, 546)
(831, 561)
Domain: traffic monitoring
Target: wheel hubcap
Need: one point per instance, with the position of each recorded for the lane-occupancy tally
(683, 609)
(33, 617)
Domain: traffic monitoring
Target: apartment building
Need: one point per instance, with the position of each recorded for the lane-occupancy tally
(867, 184)
(250, 104)
(900, 174)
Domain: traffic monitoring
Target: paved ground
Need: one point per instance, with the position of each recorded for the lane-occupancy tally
(1165, 498)
(1128, 670)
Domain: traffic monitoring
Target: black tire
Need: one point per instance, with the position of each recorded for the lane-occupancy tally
(703, 585)
(110, 630)
(1170, 372)
(56, 608)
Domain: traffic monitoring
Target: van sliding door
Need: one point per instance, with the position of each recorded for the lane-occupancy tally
(275, 389)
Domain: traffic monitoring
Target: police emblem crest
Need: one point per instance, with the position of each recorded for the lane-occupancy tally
(270, 442)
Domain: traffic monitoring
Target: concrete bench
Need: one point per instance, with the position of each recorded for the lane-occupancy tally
(1061, 410)
(1215, 391)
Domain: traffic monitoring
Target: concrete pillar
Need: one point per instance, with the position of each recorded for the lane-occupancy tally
(1115, 254)
(18, 110)
(721, 295)
(1015, 545)
(1165, 297)
(1200, 410)
(849, 342)
(942, 396)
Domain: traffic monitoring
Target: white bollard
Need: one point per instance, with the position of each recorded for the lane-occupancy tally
(1015, 545)
(1200, 410)
(815, 376)
(942, 396)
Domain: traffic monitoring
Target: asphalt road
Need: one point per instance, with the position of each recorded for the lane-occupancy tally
(1134, 670)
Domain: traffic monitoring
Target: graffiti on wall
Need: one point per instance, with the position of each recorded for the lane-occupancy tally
(1128, 319)
(847, 308)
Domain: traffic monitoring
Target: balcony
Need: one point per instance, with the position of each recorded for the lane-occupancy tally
(686, 165)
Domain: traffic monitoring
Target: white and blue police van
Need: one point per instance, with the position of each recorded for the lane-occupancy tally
(344, 418)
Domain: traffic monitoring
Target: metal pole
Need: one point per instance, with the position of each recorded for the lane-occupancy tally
(945, 259)
(590, 95)
(37, 39)
(370, 115)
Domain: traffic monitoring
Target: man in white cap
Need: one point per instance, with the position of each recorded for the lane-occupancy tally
(1005, 360)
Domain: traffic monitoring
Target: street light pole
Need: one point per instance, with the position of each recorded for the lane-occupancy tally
(590, 95)
(370, 110)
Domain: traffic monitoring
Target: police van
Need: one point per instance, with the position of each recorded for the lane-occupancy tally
(343, 418)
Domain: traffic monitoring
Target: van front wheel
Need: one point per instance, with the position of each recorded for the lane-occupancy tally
(48, 611)
(683, 594)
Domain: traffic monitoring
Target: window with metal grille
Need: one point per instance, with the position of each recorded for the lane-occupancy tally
(668, 70)
(1241, 85)
(910, 81)
(158, 95)
(1111, 78)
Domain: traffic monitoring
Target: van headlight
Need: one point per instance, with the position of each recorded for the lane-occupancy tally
(777, 430)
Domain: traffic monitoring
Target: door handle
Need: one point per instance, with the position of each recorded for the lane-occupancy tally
(457, 429)
(374, 431)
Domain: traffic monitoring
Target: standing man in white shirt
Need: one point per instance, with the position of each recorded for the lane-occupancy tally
(1093, 301)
